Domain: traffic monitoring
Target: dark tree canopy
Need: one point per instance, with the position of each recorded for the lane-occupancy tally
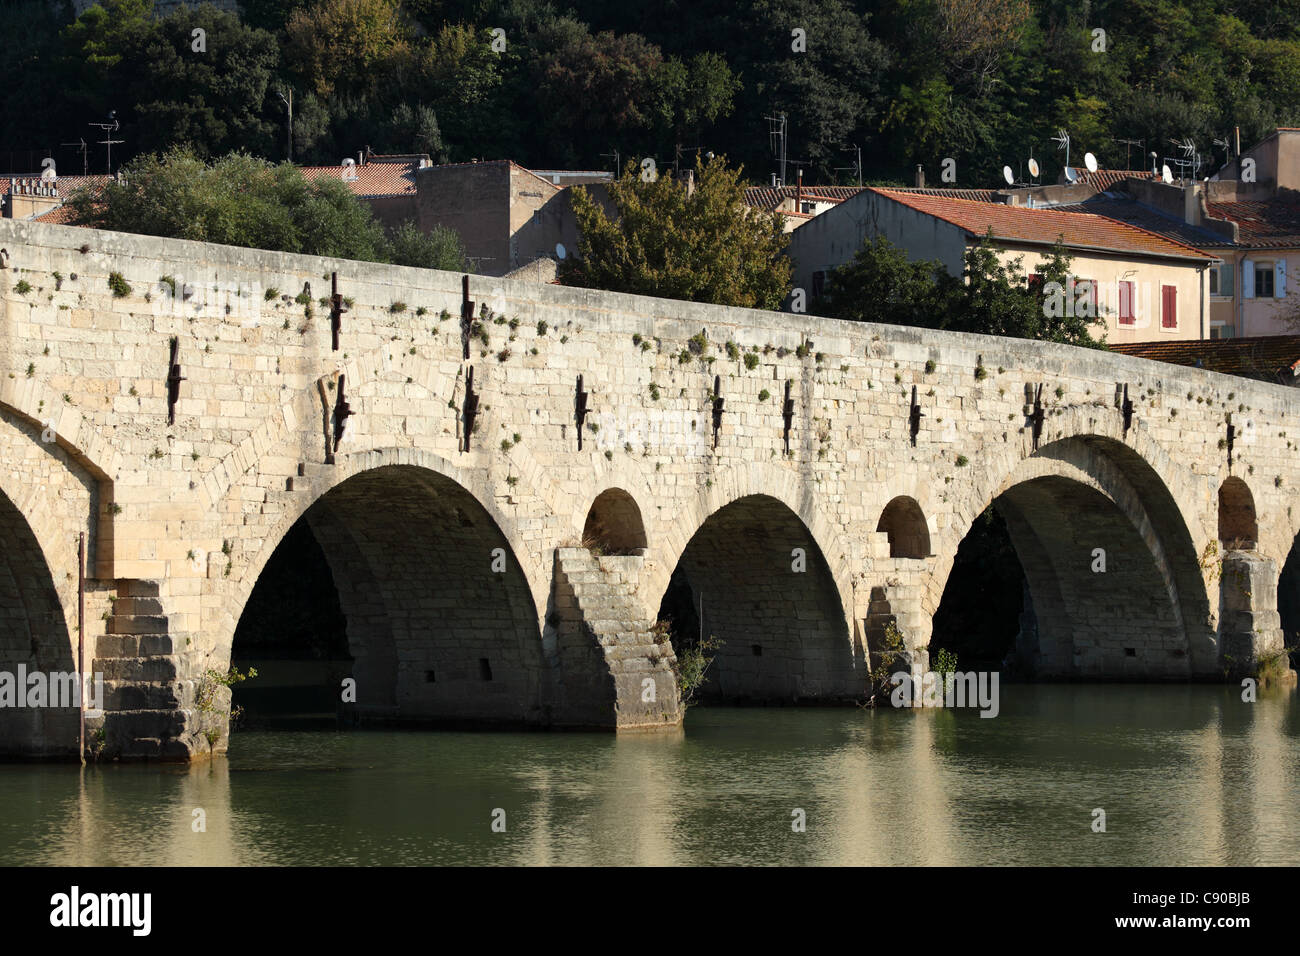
(984, 82)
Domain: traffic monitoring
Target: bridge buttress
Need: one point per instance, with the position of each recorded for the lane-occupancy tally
(612, 668)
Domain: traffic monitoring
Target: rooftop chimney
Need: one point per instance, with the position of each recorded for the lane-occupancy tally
(361, 157)
(798, 191)
(920, 176)
(690, 182)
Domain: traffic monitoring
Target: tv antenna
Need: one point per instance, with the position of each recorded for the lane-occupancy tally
(1191, 161)
(856, 169)
(1128, 145)
(614, 156)
(778, 137)
(109, 128)
(85, 163)
(1062, 141)
(1227, 152)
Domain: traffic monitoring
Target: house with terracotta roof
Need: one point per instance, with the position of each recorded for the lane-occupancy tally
(1140, 283)
(797, 204)
(42, 197)
(1247, 215)
(385, 183)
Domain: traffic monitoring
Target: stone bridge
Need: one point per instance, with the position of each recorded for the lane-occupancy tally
(454, 503)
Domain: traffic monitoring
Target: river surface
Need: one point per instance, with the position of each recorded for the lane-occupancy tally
(1185, 775)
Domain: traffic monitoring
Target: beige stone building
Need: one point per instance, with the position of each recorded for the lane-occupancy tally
(1139, 283)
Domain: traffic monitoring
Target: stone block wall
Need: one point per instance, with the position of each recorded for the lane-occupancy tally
(199, 506)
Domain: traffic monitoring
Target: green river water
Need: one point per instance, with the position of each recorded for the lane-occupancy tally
(1186, 775)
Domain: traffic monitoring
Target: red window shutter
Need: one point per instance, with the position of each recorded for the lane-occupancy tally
(1168, 307)
(1126, 303)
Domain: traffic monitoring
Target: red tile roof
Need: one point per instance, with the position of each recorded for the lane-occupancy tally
(1267, 224)
(768, 198)
(975, 195)
(65, 184)
(373, 180)
(60, 215)
(1273, 358)
(1104, 179)
(1147, 217)
(1078, 230)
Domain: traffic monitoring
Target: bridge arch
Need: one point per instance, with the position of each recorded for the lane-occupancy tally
(767, 583)
(1238, 525)
(614, 523)
(439, 609)
(34, 634)
(1110, 561)
(904, 523)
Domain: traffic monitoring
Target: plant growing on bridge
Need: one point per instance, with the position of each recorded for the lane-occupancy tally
(892, 650)
(692, 661)
(117, 282)
(207, 699)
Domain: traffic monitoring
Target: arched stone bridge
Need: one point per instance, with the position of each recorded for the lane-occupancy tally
(458, 563)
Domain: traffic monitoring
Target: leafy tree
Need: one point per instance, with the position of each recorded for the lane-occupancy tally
(881, 284)
(347, 45)
(237, 200)
(595, 87)
(211, 99)
(992, 297)
(440, 248)
(705, 245)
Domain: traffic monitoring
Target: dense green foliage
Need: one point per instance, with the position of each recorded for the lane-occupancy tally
(239, 200)
(703, 245)
(984, 82)
(991, 297)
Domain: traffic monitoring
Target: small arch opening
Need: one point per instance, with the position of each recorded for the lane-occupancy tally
(904, 522)
(1238, 527)
(614, 524)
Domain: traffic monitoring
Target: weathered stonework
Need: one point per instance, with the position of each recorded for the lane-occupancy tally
(457, 571)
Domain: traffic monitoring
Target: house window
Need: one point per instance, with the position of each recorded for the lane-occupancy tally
(1169, 307)
(1126, 314)
(1264, 280)
(1221, 280)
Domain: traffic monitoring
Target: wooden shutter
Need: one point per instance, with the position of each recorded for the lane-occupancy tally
(1169, 307)
(1125, 303)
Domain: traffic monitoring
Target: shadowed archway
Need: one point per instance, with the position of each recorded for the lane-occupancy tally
(34, 635)
(399, 578)
(753, 578)
(1238, 527)
(904, 522)
(614, 523)
(1112, 583)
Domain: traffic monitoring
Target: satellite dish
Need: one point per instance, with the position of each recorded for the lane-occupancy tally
(48, 173)
(1007, 175)
(560, 252)
(1165, 174)
(1071, 174)
(1090, 161)
(1033, 167)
